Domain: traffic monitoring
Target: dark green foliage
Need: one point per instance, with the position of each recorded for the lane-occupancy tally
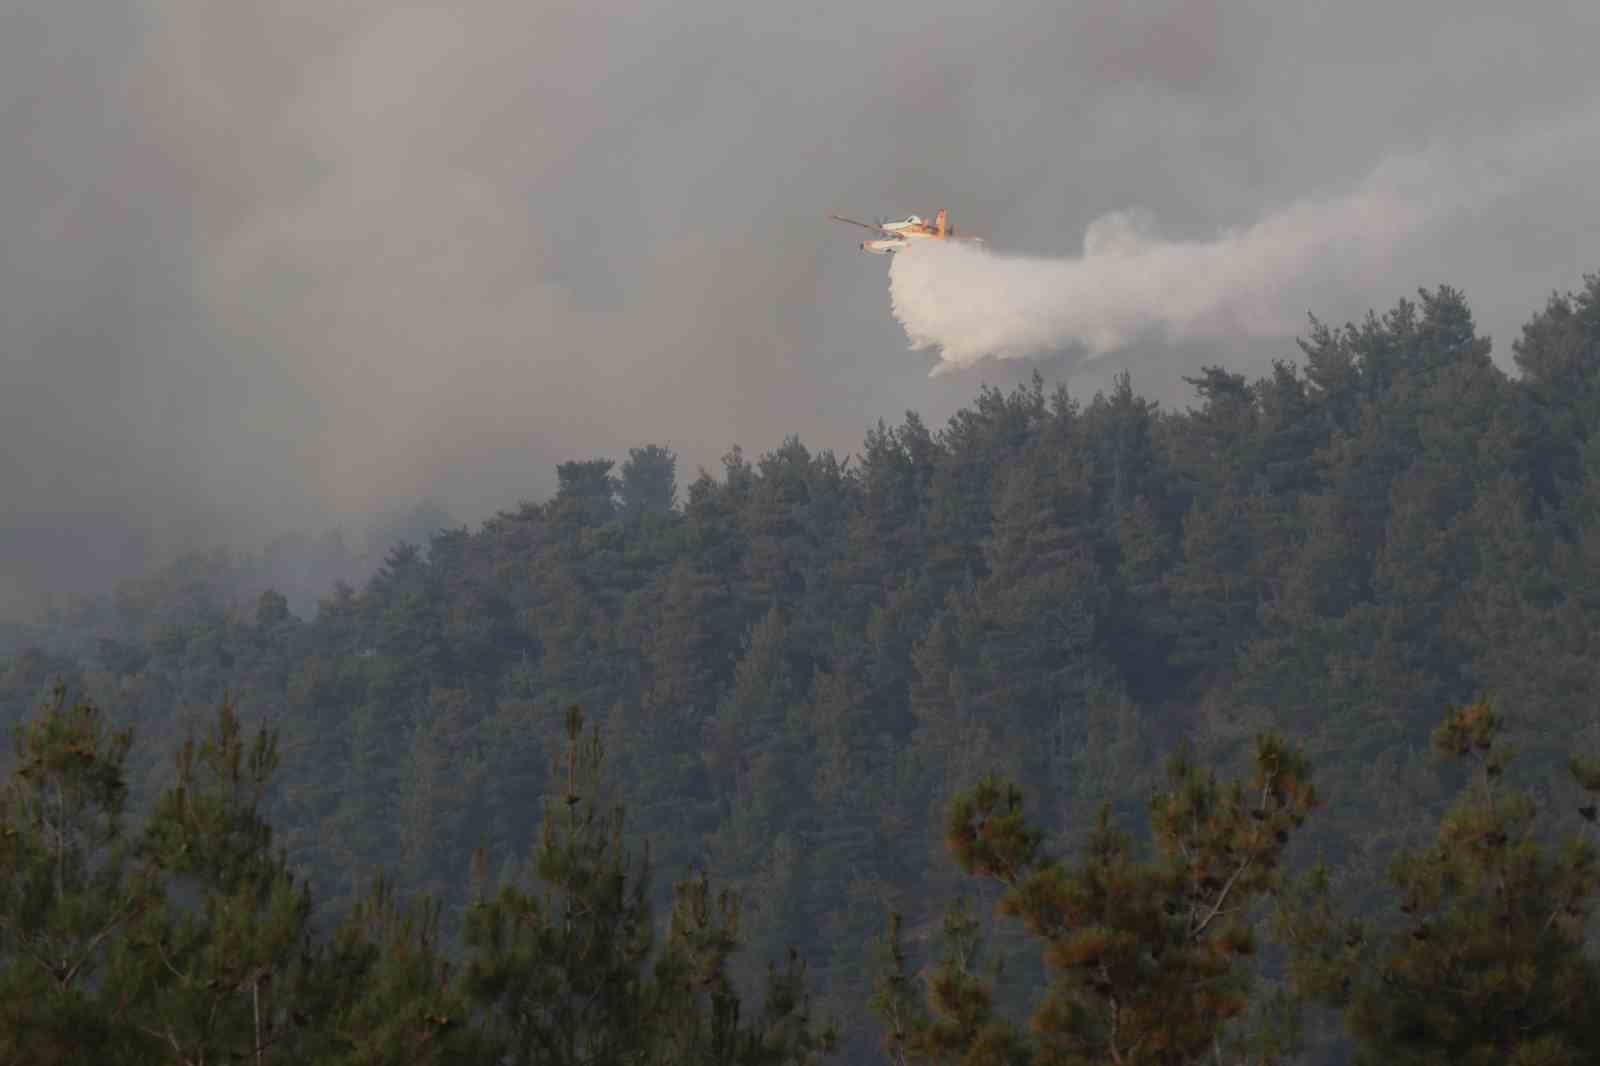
(218, 959)
(800, 661)
(1559, 356)
(561, 971)
(67, 892)
(568, 971)
(1485, 960)
(649, 482)
(958, 1022)
(587, 489)
(390, 991)
(1147, 961)
(191, 941)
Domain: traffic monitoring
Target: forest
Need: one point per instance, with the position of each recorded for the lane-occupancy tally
(1074, 731)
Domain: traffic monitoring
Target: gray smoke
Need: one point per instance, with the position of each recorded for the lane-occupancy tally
(968, 302)
(281, 266)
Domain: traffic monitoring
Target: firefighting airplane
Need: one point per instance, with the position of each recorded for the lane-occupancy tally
(898, 235)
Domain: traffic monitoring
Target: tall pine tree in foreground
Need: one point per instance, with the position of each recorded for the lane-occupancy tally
(1486, 961)
(66, 890)
(564, 968)
(223, 957)
(192, 941)
(1149, 961)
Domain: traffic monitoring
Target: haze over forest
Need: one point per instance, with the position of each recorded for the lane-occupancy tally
(448, 457)
(284, 267)
(856, 696)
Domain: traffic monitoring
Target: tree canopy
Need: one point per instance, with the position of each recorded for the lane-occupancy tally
(797, 662)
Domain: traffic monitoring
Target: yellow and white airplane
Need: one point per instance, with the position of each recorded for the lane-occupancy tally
(898, 235)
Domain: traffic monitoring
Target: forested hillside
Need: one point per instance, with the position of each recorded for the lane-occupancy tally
(798, 660)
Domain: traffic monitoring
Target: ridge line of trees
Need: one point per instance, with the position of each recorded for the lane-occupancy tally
(800, 662)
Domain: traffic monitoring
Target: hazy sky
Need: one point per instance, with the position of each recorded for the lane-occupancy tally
(270, 266)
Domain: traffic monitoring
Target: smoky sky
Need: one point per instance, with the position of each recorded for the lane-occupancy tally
(271, 266)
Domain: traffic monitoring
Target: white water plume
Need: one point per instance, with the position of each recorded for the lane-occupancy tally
(969, 303)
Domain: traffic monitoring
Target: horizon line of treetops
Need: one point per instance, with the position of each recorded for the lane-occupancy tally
(817, 686)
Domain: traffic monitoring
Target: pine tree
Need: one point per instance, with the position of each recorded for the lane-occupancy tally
(223, 961)
(568, 972)
(67, 891)
(394, 994)
(1149, 961)
(648, 485)
(1487, 962)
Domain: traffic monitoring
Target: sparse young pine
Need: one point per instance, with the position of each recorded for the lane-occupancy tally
(1149, 961)
(955, 1020)
(393, 990)
(567, 972)
(67, 894)
(223, 960)
(192, 943)
(1486, 961)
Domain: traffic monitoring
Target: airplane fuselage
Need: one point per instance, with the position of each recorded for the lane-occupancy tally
(896, 236)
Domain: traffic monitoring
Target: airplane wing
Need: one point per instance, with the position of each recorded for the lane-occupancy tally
(863, 225)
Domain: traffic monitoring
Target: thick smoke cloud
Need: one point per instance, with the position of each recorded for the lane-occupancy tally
(969, 303)
(275, 266)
